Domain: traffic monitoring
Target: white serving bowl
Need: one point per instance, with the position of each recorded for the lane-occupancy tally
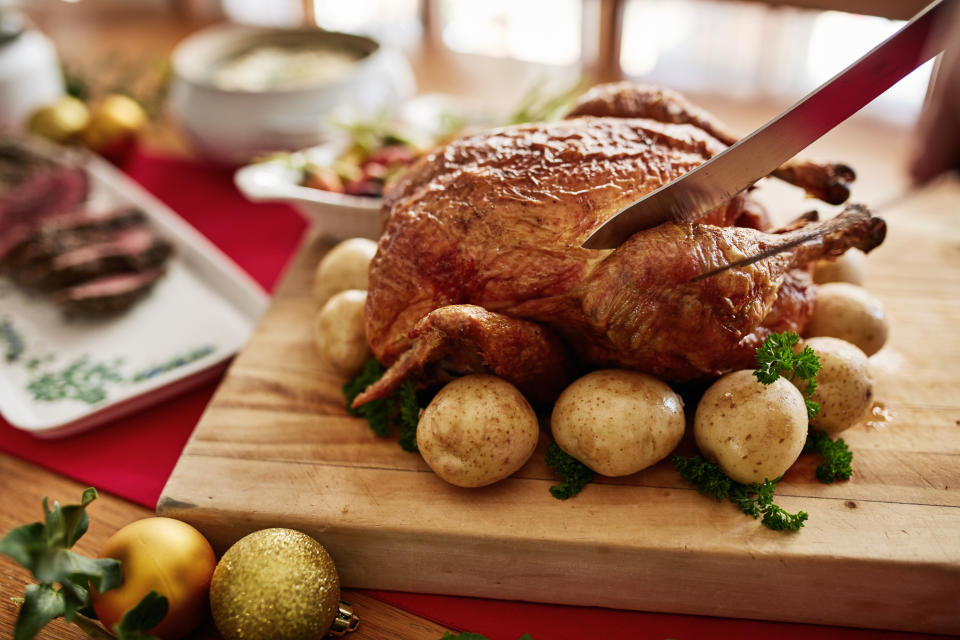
(235, 126)
(337, 215)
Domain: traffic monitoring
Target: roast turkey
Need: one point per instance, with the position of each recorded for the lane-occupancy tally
(480, 267)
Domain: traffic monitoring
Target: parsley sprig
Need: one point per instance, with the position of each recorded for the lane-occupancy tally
(574, 474)
(776, 357)
(44, 549)
(836, 456)
(399, 409)
(754, 500)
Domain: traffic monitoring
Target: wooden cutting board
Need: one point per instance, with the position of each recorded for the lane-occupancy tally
(276, 448)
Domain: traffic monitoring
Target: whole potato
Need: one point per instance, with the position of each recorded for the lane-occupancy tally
(753, 431)
(850, 313)
(844, 384)
(849, 267)
(344, 267)
(477, 430)
(338, 332)
(618, 422)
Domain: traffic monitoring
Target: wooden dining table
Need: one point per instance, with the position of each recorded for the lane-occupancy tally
(84, 32)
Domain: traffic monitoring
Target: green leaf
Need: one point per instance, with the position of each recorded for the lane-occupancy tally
(377, 412)
(103, 573)
(383, 414)
(574, 474)
(776, 357)
(75, 600)
(24, 544)
(372, 371)
(837, 457)
(754, 500)
(409, 417)
(41, 604)
(43, 549)
(144, 616)
(705, 476)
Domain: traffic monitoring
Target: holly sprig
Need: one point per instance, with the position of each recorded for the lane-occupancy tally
(65, 577)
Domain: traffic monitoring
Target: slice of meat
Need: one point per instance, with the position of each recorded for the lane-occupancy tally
(107, 295)
(69, 231)
(131, 250)
(32, 189)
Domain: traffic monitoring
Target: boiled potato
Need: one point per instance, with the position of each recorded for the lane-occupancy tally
(344, 267)
(850, 313)
(477, 430)
(753, 431)
(339, 333)
(618, 422)
(849, 267)
(844, 384)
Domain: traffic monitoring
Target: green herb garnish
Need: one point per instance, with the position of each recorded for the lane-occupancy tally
(754, 500)
(409, 416)
(573, 473)
(836, 456)
(401, 408)
(776, 357)
(44, 549)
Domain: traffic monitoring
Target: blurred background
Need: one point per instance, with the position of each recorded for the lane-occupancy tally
(721, 53)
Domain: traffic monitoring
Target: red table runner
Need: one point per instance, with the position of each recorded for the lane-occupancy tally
(132, 457)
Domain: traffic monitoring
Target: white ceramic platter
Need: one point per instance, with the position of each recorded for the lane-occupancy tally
(60, 376)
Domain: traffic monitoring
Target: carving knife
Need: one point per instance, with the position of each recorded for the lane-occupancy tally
(714, 182)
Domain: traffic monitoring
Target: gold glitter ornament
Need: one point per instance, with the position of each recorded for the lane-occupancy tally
(279, 584)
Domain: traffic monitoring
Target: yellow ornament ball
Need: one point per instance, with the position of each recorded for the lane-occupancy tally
(275, 583)
(164, 555)
(60, 121)
(114, 120)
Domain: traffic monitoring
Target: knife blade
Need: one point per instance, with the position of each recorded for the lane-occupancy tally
(714, 182)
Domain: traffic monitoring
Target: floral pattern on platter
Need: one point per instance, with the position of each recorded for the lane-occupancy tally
(83, 379)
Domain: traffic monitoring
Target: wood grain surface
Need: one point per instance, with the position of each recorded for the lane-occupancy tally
(23, 485)
(882, 550)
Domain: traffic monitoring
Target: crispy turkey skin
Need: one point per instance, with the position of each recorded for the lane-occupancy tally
(480, 266)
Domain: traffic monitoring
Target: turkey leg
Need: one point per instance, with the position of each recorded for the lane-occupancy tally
(828, 182)
(645, 312)
(463, 338)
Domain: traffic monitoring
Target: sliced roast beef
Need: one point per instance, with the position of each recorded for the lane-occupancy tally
(107, 295)
(90, 262)
(131, 250)
(66, 232)
(32, 189)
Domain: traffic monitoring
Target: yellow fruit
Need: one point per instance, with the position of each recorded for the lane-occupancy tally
(61, 121)
(114, 119)
(165, 555)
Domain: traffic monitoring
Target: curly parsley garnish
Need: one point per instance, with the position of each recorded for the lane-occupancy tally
(836, 456)
(754, 500)
(401, 408)
(573, 473)
(776, 357)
